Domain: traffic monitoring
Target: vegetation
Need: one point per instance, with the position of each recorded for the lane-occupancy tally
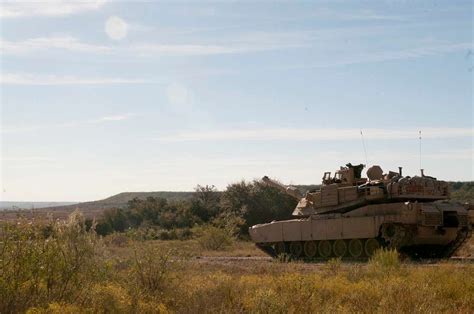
(463, 191)
(251, 202)
(240, 205)
(54, 263)
(57, 267)
(121, 264)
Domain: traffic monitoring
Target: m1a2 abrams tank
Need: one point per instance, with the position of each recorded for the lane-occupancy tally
(351, 217)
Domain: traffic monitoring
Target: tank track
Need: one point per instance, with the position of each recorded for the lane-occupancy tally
(267, 249)
(396, 242)
(462, 237)
(270, 250)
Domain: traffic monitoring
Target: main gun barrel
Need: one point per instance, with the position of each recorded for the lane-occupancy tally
(290, 190)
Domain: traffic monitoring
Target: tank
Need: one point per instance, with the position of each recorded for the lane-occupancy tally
(351, 217)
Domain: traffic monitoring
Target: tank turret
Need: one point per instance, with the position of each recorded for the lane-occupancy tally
(347, 190)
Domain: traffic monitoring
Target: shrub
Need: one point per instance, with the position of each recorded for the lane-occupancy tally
(37, 270)
(164, 235)
(117, 239)
(56, 308)
(153, 271)
(213, 238)
(103, 228)
(221, 233)
(267, 301)
(284, 258)
(230, 222)
(333, 266)
(184, 234)
(385, 260)
(109, 297)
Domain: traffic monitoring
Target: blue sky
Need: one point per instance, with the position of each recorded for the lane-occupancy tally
(101, 97)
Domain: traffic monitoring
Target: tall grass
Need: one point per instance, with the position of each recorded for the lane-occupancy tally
(385, 260)
(56, 262)
(63, 268)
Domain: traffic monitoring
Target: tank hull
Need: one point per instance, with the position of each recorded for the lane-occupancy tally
(434, 229)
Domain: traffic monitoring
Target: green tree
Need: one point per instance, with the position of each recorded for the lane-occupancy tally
(205, 202)
(256, 203)
(117, 219)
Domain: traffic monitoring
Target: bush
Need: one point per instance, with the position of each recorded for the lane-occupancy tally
(41, 270)
(117, 239)
(256, 203)
(333, 266)
(154, 271)
(213, 238)
(109, 297)
(103, 228)
(184, 234)
(221, 233)
(385, 260)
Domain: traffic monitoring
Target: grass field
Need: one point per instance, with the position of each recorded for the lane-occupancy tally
(65, 269)
(213, 281)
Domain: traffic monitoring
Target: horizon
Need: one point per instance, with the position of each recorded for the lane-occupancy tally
(161, 191)
(101, 97)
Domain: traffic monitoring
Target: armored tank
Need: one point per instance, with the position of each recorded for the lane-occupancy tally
(351, 217)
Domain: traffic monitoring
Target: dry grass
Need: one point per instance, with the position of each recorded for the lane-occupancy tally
(191, 248)
(167, 276)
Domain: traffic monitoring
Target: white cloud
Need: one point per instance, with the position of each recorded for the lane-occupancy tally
(247, 42)
(35, 79)
(40, 44)
(416, 52)
(67, 124)
(315, 134)
(69, 43)
(116, 28)
(244, 43)
(380, 56)
(118, 117)
(19, 8)
(362, 15)
(183, 49)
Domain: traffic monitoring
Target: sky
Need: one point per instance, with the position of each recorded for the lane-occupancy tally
(101, 97)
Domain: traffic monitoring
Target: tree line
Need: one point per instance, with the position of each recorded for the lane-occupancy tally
(249, 203)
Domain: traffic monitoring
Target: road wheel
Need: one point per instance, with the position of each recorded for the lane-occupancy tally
(280, 248)
(296, 249)
(356, 248)
(310, 249)
(370, 246)
(339, 248)
(324, 249)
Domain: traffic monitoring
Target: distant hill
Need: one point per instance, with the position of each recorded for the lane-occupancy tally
(123, 198)
(120, 200)
(89, 209)
(4, 205)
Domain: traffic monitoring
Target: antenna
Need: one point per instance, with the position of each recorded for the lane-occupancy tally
(365, 150)
(421, 169)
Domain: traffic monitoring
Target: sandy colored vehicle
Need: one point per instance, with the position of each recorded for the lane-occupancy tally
(351, 217)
